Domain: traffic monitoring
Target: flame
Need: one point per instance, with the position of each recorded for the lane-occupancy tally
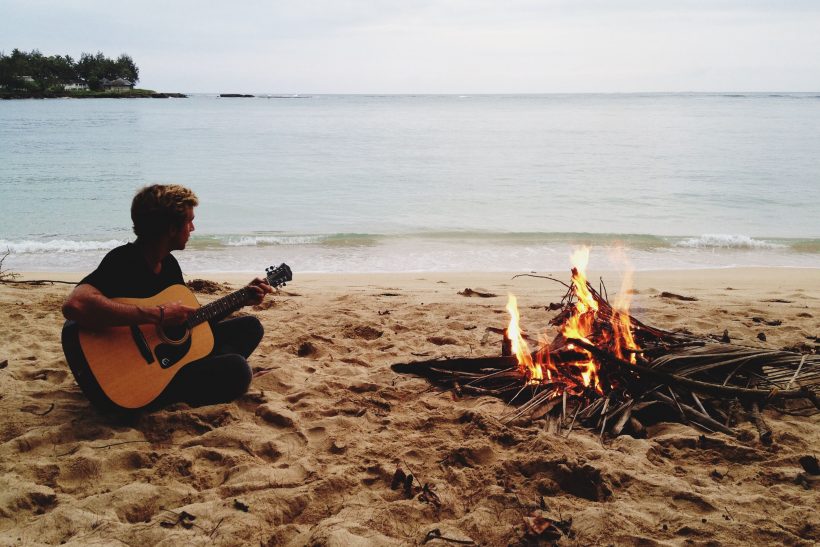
(621, 326)
(580, 323)
(542, 357)
(623, 339)
(519, 345)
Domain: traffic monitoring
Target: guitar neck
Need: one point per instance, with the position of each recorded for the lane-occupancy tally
(221, 307)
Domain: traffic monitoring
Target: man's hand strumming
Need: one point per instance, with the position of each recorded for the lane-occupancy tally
(259, 288)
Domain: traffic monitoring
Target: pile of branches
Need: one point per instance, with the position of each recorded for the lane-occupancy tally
(674, 376)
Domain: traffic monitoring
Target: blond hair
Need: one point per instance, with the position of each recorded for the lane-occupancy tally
(157, 208)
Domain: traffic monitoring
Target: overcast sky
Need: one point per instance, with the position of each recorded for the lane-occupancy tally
(436, 46)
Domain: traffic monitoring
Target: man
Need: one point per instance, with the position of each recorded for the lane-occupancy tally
(163, 217)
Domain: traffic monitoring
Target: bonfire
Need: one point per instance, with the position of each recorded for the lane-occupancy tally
(608, 371)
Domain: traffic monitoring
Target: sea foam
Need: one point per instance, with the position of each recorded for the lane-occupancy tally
(57, 246)
(727, 241)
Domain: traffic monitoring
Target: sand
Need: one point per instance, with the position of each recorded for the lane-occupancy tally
(307, 456)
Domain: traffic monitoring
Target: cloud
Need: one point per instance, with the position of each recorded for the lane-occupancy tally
(437, 46)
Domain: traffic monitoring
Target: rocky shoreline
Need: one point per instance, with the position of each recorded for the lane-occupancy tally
(9, 95)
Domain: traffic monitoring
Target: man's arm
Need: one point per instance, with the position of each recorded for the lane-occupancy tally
(92, 309)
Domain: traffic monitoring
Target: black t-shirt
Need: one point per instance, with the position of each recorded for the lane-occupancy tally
(125, 273)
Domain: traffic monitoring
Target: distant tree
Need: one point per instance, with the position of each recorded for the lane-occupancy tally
(50, 72)
(17, 69)
(127, 69)
(40, 70)
(63, 68)
(14, 68)
(6, 73)
(90, 69)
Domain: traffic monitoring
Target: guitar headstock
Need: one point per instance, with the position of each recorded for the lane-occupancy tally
(278, 276)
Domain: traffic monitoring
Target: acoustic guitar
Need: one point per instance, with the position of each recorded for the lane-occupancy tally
(129, 367)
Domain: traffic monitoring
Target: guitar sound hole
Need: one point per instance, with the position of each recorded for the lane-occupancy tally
(175, 334)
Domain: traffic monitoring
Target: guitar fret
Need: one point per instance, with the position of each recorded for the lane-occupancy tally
(227, 304)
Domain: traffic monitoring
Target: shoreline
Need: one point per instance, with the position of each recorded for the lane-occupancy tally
(743, 274)
(136, 94)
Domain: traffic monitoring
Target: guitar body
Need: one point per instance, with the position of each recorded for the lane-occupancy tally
(131, 366)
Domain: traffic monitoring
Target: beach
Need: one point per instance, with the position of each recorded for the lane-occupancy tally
(307, 456)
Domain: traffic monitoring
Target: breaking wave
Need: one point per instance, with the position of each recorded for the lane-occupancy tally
(57, 246)
(729, 241)
(639, 242)
(265, 240)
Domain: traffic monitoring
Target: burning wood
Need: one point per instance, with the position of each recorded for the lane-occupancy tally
(610, 372)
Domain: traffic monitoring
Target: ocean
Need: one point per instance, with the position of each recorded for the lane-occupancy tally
(356, 183)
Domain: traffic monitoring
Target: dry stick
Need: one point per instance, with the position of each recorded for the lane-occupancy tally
(215, 527)
(546, 398)
(603, 414)
(491, 375)
(619, 409)
(479, 390)
(68, 452)
(535, 401)
(36, 282)
(732, 413)
(796, 372)
(761, 378)
(677, 404)
(704, 387)
(763, 428)
(563, 408)
(696, 416)
(607, 309)
(517, 394)
(543, 277)
(573, 420)
(464, 374)
(638, 428)
(592, 407)
(619, 425)
(118, 444)
(697, 402)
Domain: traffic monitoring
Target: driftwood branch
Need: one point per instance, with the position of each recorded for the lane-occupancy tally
(5, 275)
(695, 385)
(10, 277)
(36, 281)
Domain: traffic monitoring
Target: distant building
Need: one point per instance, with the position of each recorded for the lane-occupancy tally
(120, 85)
(75, 86)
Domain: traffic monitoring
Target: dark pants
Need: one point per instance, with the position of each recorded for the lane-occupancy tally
(222, 376)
